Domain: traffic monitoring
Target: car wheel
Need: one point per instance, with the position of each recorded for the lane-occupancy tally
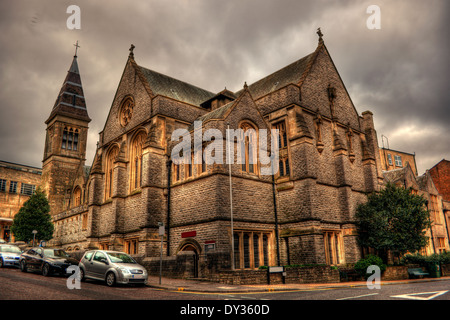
(1, 263)
(46, 270)
(23, 266)
(110, 279)
(81, 275)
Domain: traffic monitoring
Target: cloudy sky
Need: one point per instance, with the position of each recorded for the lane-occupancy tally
(399, 72)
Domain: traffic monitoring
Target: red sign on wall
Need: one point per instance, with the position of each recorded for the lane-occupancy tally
(189, 234)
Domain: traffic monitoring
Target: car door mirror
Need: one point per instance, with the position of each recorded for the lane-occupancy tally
(104, 260)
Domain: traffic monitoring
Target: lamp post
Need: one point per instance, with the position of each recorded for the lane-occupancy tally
(34, 236)
(231, 198)
(161, 234)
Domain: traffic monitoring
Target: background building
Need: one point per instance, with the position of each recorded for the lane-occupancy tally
(393, 159)
(17, 184)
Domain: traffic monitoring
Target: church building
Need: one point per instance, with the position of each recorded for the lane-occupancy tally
(304, 214)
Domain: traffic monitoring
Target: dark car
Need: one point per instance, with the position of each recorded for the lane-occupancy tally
(46, 260)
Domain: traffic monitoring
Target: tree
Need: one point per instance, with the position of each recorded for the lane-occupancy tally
(393, 220)
(33, 215)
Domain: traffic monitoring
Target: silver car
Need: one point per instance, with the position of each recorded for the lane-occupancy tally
(112, 267)
(9, 255)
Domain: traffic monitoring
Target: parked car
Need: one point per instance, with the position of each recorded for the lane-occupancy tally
(112, 267)
(46, 260)
(9, 255)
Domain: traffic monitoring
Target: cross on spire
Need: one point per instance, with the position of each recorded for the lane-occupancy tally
(76, 49)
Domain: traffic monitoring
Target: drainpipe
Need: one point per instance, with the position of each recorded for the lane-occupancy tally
(276, 217)
(169, 175)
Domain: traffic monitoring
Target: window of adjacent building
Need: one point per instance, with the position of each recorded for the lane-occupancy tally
(136, 160)
(251, 249)
(398, 160)
(13, 187)
(434, 209)
(441, 244)
(2, 185)
(27, 189)
(249, 161)
(109, 171)
(333, 247)
(284, 167)
(389, 156)
(103, 246)
(131, 246)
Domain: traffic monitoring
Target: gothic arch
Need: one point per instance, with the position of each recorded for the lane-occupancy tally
(111, 154)
(135, 157)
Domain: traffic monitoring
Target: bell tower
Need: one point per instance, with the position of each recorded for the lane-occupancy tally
(65, 141)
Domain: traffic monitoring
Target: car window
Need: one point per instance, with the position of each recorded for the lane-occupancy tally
(31, 251)
(38, 251)
(88, 255)
(99, 256)
(55, 253)
(11, 249)
(118, 257)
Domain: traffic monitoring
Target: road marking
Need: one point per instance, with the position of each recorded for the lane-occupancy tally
(364, 295)
(414, 296)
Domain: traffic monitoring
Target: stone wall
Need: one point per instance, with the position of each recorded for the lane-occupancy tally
(312, 274)
(395, 273)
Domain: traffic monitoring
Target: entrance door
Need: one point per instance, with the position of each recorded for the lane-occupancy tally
(190, 247)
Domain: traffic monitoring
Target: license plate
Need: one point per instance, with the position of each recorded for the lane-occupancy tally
(137, 276)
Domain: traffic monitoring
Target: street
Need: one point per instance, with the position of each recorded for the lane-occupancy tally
(16, 285)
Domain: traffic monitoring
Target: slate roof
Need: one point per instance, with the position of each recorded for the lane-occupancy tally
(161, 84)
(292, 73)
(70, 101)
(215, 114)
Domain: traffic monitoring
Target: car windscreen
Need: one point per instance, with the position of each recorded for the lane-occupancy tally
(55, 253)
(11, 249)
(117, 257)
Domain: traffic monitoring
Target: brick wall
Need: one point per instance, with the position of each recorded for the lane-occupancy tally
(440, 174)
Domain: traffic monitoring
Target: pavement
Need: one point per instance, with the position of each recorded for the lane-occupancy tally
(197, 285)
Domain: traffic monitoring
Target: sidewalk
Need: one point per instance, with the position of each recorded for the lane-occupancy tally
(214, 287)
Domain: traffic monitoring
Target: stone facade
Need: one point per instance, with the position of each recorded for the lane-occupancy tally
(305, 214)
(17, 183)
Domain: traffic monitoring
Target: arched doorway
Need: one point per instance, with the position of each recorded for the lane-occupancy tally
(192, 246)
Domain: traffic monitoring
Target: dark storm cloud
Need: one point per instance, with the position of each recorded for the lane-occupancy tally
(400, 72)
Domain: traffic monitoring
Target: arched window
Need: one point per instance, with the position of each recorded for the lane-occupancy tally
(77, 196)
(75, 140)
(136, 160)
(70, 139)
(250, 160)
(284, 168)
(109, 171)
(64, 139)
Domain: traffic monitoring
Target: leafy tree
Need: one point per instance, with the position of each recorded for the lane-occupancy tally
(393, 220)
(33, 215)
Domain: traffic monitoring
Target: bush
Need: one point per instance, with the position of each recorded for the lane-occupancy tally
(362, 265)
(425, 261)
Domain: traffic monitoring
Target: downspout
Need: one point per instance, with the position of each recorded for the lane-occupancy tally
(169, 175)
(276, 218)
